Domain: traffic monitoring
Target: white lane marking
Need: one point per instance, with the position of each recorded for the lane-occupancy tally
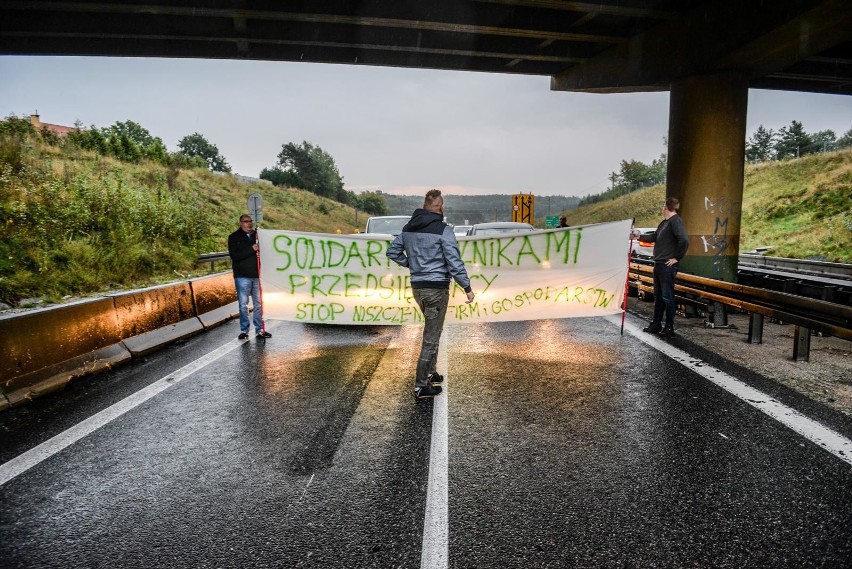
(822, 436)
(307, 486)
(436, 527)
(45, 450)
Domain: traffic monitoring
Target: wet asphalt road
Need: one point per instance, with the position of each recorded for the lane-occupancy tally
(569, 446)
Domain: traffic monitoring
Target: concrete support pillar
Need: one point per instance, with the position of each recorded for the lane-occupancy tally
(706, 157)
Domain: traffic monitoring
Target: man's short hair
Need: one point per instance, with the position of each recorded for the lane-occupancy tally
(245, 217)
(432, 196)
(672, 204)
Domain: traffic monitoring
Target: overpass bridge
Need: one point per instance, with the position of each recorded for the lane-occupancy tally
(707, 53)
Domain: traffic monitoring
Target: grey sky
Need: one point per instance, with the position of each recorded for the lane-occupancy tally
(389, 129)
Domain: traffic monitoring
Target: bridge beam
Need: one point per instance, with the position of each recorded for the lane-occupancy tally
(706, 157)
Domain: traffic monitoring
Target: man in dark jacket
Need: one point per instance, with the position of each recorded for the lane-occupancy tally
(670, 244)
(242, 248)
(428, 247)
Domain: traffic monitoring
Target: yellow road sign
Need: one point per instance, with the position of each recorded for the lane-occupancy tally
(523, 208)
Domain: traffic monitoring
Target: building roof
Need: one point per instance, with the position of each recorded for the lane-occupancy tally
(57, 129)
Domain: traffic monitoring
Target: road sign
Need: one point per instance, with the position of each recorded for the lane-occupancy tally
(551, 221)
(255, 207)
(523, 208)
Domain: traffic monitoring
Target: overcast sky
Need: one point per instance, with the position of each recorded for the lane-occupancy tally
(388, 129)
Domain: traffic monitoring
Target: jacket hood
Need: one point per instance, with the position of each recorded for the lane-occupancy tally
(422, 218)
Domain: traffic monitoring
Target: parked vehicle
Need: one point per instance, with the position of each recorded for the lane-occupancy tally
(387, 224)
(642, 249)
(500, 228)
(461, 230)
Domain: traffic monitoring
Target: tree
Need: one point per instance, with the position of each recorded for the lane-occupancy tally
(792, 141)
(12, 125)
(281, 178)
(845, 141)
(120, 146)
(823, 141)
(157, 152)
(133, 131)
(759, 146)
(313, 167)
(180, 160)
(134, 142)
(351, 198)
(195, 145)
(373, 203)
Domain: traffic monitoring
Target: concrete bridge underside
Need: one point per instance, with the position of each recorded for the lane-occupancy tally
(707, 53)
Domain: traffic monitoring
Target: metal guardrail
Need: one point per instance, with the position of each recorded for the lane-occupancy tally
(802, 266)
(806, 313)
(212, 258)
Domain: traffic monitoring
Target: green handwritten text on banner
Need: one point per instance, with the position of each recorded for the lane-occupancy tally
(347, 279)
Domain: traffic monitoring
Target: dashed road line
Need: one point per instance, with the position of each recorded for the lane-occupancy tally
(822, 436)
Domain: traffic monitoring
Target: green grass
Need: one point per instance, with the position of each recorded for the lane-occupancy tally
(75, 223)
(802, 207)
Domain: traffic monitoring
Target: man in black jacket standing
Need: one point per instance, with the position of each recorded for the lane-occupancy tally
(242, 248)
(670, 244)
(428, 247)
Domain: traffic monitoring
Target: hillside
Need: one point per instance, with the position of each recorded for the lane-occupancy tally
(76, 223)
(800, 207)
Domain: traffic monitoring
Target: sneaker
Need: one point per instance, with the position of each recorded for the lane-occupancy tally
(263, 335)
(242, 336)
(652, 328)
(435, 378)
(427, 391)
(667, 332)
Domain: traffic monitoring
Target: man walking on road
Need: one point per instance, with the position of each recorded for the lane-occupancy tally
(670, 244)
(242, 248)
(428, 247)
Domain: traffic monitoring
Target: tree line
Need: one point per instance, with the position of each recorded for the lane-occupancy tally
(792, 141)
(632, 175)
(127, 141)
(304, 166)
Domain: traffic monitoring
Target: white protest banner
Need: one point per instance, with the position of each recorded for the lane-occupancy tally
(347, 279)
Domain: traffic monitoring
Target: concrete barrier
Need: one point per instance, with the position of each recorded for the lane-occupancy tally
(150, 318)
(42, 350)
(215, 299)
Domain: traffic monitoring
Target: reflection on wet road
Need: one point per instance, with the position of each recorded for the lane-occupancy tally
(568, 445)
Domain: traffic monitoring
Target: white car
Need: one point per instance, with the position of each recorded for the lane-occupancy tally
(387, 224)
(642, 249)
(461, 230)
(500, 228)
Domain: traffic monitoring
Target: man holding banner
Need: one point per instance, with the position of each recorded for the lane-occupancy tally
(242, 248)
(427, 247)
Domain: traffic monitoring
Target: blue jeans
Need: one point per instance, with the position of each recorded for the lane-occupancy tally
(664, 293)
(248, 287)
(433, 304)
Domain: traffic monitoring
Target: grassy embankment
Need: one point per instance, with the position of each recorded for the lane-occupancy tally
(801, 207)
(75, 223)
